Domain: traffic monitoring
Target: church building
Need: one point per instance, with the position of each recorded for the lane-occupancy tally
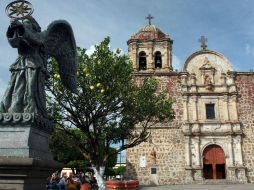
(212, 135)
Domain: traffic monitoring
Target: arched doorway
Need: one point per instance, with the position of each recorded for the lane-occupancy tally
(214, 163)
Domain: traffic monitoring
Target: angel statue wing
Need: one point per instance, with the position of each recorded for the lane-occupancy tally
(60, 44)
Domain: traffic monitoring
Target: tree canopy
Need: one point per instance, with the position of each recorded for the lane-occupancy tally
(65, 151)
(108, 105)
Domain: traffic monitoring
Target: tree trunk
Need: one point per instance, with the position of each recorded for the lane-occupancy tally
(99, 177)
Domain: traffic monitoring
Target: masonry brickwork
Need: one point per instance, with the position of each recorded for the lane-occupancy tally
(245, 85)
(166, 138)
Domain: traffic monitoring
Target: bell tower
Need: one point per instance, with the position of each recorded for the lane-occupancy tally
(150, 50)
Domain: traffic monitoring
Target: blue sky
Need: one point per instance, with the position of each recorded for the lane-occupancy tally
(228, 25)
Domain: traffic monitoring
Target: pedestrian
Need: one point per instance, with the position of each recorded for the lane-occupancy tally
(85, 185)
(72, 185)
(63, 183)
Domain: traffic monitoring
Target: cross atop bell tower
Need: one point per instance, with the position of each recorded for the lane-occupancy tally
(149, 18)
(203, 41)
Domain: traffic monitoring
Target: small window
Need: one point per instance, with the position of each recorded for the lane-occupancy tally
(157, 60)
(153, 170)
(210, 112)
(142, 61)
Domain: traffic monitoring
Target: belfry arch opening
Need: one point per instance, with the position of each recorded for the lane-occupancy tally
(157, 60)
(214, 162)
(142, 61)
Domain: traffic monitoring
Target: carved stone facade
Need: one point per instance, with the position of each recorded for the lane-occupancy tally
(214, 108)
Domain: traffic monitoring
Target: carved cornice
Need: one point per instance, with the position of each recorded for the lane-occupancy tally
(22, 119)
(215, 129)
(209, 93)
(155, 73)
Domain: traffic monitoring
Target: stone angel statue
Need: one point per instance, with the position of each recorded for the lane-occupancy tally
(25, 92)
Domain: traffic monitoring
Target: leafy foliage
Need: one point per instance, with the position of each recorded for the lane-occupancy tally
(65, 151)
(108, 105)
(120, 170)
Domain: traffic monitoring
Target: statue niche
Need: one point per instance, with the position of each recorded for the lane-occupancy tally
(207, 73)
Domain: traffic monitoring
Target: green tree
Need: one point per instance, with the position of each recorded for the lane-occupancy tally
(64, 150)
(107, 107)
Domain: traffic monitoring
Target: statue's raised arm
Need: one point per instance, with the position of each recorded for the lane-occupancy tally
(26, 90)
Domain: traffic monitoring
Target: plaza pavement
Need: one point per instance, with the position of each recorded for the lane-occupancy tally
(202, 187)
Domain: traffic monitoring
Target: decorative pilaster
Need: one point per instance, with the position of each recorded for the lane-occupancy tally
(234, 107)
(187, 151)
(225, 103)
(195, 109)
(230, 152)
(150, 60)
(185, 109)
(238, 150)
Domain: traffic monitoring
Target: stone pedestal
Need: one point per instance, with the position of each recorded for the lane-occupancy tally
(18, 173)
(25, 159)
(237, 174)
(189, 175)
(198, 175)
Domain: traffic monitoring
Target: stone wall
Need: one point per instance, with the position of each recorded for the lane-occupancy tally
(245, 85)
(166, 138)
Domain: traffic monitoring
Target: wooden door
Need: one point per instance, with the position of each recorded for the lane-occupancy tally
(214, 162)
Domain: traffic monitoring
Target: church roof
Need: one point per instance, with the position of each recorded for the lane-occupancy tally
(149, 33)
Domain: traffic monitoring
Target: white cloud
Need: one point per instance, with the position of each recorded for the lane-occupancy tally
(90, 50)
(177, 65)
(249, 50)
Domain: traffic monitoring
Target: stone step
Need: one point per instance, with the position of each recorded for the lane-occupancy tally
(218, 181)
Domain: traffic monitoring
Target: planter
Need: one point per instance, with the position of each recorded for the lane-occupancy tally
(122, 185)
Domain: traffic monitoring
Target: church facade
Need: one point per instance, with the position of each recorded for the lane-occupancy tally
(212, 135)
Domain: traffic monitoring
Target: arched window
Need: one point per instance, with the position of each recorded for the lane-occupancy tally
(157, 60)
(142, 61)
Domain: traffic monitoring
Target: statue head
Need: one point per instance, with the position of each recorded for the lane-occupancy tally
(33, 23)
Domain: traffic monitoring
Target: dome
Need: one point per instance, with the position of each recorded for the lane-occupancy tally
(149, 32)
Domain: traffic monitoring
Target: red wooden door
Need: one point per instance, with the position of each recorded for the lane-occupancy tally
(214, 162)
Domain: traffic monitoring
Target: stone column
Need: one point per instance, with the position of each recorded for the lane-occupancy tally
(133, 53)
(240, 168)
(234, 107)
(197, 147)
(230, 152)
(135, 56)
(225, 105)
(185, 109)
(188, 167)
(195, 111)
(187, 151)
(165, 58)
(238, 150)
(150, 61)
(193, 80)
(170, 57)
